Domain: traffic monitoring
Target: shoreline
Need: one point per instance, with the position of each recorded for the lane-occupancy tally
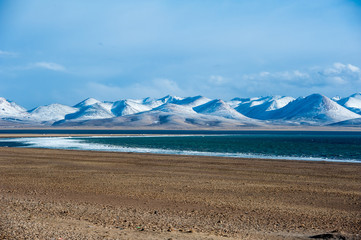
(77, 132)
(156, 151)
(279, 160)
(69, 194)
(265, 158)
(280, 128)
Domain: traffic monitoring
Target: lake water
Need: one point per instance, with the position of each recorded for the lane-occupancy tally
(321, 146)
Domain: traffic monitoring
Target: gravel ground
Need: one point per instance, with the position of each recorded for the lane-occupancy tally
(59, 194)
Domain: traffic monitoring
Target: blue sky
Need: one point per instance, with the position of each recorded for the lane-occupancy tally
(64, 51)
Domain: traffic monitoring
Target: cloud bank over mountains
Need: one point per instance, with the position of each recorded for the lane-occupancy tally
(330, 79)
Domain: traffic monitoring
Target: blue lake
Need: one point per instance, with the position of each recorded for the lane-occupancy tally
(324, 146)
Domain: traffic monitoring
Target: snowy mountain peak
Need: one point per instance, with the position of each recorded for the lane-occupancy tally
(11, 109)
(262, 107)
(273, 102)
(153, 103)
(356, 95)
(174, 108)
(198, 111)
(52, 112)
(213, 105)
(193, 101)
(278, 102)
(87, 102)
(93, 111)
(353, 103)
(321, 102)
(336, 98)
(237, 101)
(127, 107)
(314, 109)
(170, 99)
(218, 107)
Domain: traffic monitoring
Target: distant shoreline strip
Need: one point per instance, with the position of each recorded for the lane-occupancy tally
(70, 143)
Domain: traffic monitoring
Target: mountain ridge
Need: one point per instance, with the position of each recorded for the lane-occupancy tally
(189, 112)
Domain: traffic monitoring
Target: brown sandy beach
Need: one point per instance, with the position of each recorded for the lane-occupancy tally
(62, 194)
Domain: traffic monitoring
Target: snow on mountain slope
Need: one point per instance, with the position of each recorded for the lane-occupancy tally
(192, 101)
(261, 108)
(167, 116)
(191, 112)
(175, 108)
(353, 103)
(192, 120)
(315, 109)
(87, 102)
(237, 101)
(128, 107)
(153, 103)
(52, 112)
(278, 102)
(173, 116)
(215, 111)
(106, 105)
(220, 108)
(336, 98)
(9, 109)
(90, 108)
(170, 99)
(94, 111)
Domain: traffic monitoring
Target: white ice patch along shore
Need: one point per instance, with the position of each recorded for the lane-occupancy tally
(71, 143)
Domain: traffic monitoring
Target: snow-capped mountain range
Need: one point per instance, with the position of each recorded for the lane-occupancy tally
(189, 113)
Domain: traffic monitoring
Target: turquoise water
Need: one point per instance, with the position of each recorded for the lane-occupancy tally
(324, 146)
(303, 146)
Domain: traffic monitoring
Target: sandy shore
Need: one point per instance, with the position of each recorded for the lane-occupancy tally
(59, 194)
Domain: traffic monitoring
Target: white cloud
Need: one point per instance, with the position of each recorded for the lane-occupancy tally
(353, 68)
(337, 74)
(299, 74)
(7, 54)
(217, 80)
(43, 65)
(338, 78)
(264, 74)
(339, 68)
(335, 79)
(338, 65)
(49, 66)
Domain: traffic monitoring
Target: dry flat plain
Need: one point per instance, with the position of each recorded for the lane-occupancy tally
(63, 194)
